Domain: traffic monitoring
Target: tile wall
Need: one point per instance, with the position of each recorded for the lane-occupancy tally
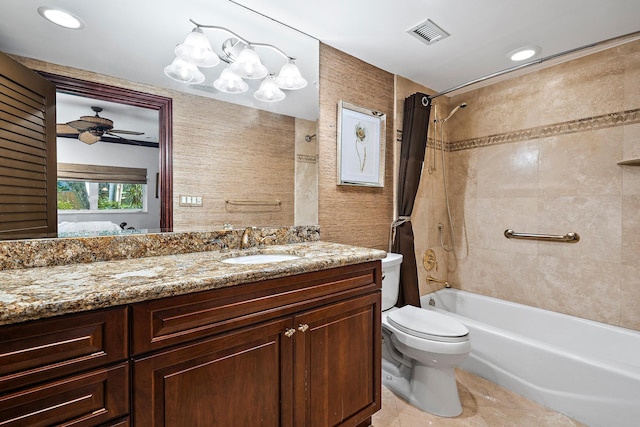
(538, 153)
(306, 176)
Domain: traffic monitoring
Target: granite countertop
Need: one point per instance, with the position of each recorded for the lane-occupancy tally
(34, 293)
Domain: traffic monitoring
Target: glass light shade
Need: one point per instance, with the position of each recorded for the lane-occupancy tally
(269, 91)
(230, 82)
(197, 50)
(290, 77)
(183, 72)
(88, 137)
(248, 65)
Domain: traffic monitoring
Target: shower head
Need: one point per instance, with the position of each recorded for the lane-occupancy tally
(463, 105)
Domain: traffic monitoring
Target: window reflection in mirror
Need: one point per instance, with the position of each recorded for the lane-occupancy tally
(107, 182)
(158, 130)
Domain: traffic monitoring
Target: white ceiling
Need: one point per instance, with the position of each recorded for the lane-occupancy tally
(481, 32)
(134, 39)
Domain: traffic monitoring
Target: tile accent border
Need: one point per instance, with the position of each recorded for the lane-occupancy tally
(579, 125)
(429, 141)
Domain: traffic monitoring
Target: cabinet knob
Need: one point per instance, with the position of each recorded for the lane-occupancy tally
(303, 327)
(289, 332)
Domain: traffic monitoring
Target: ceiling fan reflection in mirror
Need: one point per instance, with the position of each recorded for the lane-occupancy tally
(90, 129)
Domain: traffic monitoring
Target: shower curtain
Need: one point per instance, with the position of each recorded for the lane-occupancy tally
(415, 126)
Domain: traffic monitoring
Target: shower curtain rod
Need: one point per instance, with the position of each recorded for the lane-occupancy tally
(630, 36)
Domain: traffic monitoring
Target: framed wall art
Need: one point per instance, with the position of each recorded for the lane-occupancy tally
(361, 146)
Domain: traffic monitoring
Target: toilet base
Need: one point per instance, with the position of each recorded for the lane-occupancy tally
(430, 389)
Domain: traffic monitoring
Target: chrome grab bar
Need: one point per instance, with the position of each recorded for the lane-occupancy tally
(570, 237)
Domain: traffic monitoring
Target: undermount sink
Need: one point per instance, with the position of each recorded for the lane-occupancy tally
(260, 259)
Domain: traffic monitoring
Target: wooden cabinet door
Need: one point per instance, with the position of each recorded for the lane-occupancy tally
(242, 378)
(337, 369)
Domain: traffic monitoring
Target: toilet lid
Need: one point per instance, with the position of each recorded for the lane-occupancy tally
(427, 324)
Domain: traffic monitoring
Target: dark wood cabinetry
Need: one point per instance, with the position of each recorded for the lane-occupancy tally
(70, 371)
(236, 379)
(88, 399)
(36, 351)
(338, 363)
(296, 351)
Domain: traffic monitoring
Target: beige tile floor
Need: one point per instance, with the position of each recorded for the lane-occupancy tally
(484, 404)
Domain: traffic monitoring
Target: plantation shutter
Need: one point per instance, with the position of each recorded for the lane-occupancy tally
(95, 173)
(27, 153)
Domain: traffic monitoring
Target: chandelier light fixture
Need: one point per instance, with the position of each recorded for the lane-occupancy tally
(242, 62)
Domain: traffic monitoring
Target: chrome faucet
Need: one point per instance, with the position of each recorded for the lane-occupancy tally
(246, 237)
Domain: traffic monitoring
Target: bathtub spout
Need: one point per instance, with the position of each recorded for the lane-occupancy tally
(434, 280)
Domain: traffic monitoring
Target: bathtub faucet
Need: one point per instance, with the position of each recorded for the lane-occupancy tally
(434, 280)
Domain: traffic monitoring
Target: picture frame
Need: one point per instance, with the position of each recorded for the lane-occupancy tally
(361, 140)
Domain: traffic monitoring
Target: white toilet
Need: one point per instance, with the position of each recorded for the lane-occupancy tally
(420, 349)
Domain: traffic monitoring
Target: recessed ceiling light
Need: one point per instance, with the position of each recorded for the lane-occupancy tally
(61, 17)
(523, 53)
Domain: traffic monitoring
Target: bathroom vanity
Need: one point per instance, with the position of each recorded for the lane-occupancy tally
(188, 340)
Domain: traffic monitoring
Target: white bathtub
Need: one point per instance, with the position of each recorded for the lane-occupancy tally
(587, 370)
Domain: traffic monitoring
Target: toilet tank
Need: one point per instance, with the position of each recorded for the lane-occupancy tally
(390, 279)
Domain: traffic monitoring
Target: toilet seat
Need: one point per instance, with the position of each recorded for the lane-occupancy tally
(427, 324)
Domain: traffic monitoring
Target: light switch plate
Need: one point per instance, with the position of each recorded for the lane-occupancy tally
(190, 201)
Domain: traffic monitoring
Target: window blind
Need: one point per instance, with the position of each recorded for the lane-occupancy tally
(97, 173)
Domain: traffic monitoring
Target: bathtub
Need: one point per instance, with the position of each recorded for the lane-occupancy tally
(587, 370)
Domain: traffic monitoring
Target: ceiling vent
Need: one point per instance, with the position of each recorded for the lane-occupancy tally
(428, 32)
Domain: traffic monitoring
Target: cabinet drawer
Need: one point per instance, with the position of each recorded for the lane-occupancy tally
(164, 322)
(123, 422)
(44, 349)
(89, 399)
